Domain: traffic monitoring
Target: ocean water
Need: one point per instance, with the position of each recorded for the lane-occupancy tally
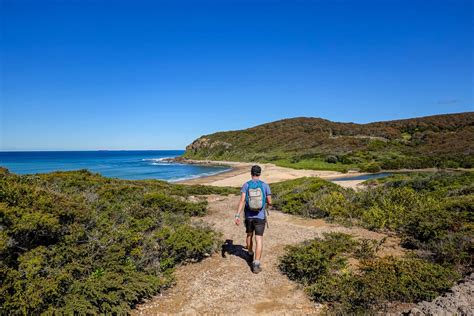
(131, 165)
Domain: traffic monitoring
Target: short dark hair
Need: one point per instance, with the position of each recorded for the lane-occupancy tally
(256, 171)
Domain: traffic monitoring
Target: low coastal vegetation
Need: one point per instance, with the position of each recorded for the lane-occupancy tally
(322, 266)
(79, 243)
(431, 212)
(440, 141)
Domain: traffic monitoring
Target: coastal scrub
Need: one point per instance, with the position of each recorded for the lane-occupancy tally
(321, 265)
(431, 212)
(76, 242)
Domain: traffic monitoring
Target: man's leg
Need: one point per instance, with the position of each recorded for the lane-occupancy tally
(249, 230)
(259, 247)
(259, 229)
(250, 242)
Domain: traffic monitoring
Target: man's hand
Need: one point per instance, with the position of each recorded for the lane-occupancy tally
(239, 209)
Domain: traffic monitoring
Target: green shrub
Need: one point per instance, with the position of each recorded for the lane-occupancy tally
(432, 212)
(331, 159)
(166, 203)
(367, 248)
(381, 281)
(312, 197)
(321, 266)
(78, 243)
(391, 208)
(185, 242)
(306, 263)
(370, 167)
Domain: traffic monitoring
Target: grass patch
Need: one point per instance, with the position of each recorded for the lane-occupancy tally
(314, 164)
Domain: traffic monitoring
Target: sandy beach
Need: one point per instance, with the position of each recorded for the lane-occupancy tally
(271, 173)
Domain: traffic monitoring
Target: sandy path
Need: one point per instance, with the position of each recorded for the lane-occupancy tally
(271, 173)
(224, 283)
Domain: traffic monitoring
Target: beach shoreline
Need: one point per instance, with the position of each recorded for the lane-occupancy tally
(240, 172)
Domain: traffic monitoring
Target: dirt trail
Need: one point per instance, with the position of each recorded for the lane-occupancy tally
(224, 283)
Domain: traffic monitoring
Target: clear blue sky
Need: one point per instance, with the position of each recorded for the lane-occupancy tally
(158, 74)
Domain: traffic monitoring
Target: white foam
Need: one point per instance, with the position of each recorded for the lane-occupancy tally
(157, 159)
(162, 161)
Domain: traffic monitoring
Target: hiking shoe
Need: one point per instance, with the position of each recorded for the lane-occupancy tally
(256, 268)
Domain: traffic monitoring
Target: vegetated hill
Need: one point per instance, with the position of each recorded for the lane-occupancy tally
(432, 141)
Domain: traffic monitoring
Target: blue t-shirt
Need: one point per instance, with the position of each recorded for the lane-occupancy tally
(256, 214)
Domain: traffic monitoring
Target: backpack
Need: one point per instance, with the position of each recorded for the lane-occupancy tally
(255, 196)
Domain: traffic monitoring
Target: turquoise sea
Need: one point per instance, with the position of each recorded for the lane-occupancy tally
(128, 164)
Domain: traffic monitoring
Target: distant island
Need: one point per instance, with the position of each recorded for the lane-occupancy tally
(439, 141)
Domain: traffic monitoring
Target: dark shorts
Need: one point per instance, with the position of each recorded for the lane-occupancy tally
(256, 225)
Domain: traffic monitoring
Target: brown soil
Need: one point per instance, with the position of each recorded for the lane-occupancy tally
(224, 283)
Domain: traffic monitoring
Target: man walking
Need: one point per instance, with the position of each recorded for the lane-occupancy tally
(255, 195)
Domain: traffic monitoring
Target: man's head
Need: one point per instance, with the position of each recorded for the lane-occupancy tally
(256, 171)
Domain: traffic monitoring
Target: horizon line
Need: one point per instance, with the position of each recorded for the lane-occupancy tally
(69, 150)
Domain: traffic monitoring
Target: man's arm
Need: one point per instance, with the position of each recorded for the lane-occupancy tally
(240, 208)
(269, 200)
(269, 195)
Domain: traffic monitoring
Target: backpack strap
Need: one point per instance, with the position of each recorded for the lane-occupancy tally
(247, 192)
(265, 209)
(264, 194)
(264, 200)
